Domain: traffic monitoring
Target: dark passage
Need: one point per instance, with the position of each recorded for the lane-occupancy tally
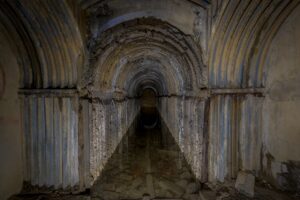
(146, 163)
(149, 116)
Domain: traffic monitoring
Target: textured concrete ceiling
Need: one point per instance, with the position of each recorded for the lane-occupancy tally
(146, 52)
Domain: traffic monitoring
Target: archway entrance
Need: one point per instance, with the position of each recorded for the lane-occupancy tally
(147, 113)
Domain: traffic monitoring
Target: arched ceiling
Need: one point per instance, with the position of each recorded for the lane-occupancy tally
(145, 51)
(46, 39)
(185, 45)
(241, 35)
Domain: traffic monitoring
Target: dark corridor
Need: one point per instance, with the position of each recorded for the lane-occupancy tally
(147, 163)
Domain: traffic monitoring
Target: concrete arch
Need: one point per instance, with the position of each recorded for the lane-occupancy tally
(241, 37)
(176, 54)
(50, 51)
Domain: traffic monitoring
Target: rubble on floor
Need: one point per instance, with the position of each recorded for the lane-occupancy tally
(245, 183)
(225, 191)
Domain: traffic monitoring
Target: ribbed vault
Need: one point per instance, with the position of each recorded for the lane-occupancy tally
(241, 36)
(145, 51)
(46, 40)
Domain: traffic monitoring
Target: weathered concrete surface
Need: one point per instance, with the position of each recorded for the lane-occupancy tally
(234, 135)
(51, 140)
(47, 40)
(145, 52)
(245, 183)
(240, 37)
(207, 195)
(10, 124)
(281, 125)
(185, 119)
(109, 121)
(190, 17)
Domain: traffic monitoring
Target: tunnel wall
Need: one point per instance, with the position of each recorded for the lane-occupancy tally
(247, 60)
(234, 135)
(67, 140)
(264, 126)
(48, 53)
(50, 133)
(10, 131)
(219, 136)
(108, 122)
(185, 118)
(281, 127)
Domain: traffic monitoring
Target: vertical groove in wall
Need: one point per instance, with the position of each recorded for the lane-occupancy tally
(33, 141)
(235, 134)
(64, 143)
(25, 108)
(58, 143)
(84, 143)
(51, 140)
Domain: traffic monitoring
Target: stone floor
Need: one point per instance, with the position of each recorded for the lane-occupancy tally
(152, 165)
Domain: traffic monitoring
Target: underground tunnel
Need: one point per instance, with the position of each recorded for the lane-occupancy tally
(146, 99)
(147, 163)
(145, 81)
(149, 117)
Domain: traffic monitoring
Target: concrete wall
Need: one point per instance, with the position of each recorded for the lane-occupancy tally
(108, 122)
(234, 135)
(281, 114)
(10, 135)
(68, 139)
(185, 118)
(51, 140)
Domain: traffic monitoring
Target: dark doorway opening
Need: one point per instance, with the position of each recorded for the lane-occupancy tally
(149, 117)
